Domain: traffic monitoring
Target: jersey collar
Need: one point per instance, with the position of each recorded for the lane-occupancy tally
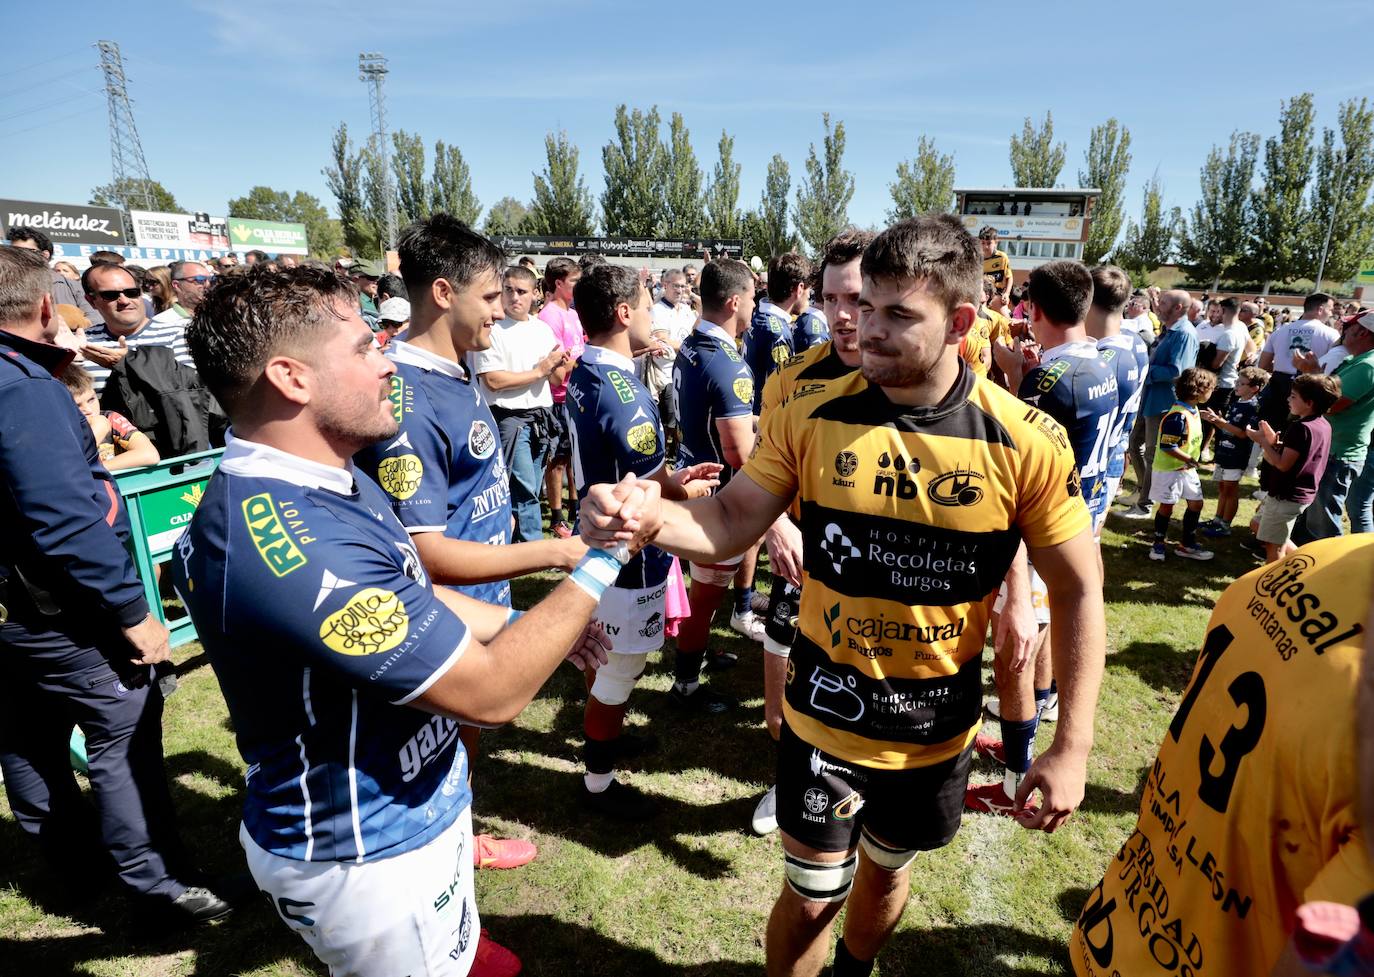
(708, 328)
(250, 458)
(403, 352)
(1083, 347)
(768, 308)
(600, 354)
(50, 357)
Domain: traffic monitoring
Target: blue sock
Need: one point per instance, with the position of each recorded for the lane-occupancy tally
(1042, 696)
(1018, 740)
(744, 596)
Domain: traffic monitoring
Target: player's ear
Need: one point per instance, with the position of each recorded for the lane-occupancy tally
(960, 322)
(290, 378)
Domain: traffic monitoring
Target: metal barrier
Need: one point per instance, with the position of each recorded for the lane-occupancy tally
(161, 500)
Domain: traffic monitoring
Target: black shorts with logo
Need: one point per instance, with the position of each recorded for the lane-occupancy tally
(824, 802)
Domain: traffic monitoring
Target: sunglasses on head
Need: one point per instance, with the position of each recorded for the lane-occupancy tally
(110, 294)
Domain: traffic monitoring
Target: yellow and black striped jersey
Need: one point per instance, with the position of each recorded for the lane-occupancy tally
(1251, 806)
(998, 268)
(819, 364)
(910, 518)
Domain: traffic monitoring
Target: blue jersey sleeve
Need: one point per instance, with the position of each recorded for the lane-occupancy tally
(634, 433)
(413, 469)
(1041, 388)
(1173, 430)
(729, 386)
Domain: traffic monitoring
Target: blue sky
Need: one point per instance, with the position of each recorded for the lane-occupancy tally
(231, 94)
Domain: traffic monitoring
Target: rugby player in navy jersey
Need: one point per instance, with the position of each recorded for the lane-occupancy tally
(811, 329)
(1069, 380)
(443, 472)
(616, 431)
(345, 670)
(1127, 353)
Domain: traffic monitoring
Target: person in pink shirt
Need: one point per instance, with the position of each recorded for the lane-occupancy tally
(560, 275)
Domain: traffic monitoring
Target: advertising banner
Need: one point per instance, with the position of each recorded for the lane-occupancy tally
(624, 247)
(79, 254)
(273, 237)
(153, 229)
(101, 226)
(1039, 228)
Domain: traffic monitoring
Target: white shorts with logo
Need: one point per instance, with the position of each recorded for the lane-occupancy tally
(1168, 487)
(1040, 598)
(634, 619)
(412, 914)
(1111, 487)
(716, 574)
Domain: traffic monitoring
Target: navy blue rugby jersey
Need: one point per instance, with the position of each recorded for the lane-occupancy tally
(1127, 352)
(615, 431)
(767, 345)
(1077, 387)
(321, 626)
(810, 329)
(443, 471)
(712, 383)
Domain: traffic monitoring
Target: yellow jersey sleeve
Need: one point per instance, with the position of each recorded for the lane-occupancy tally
(1348, 877)
(772, 397)
(774, 463)
(1050, 509)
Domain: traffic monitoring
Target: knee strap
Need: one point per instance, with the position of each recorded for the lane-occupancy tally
(820, 881)
(885, 856)
(616, 679)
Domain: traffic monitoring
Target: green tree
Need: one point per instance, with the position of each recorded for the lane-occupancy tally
(344, 177)
(450, 188)
(1217, 232)
(377, 189)
(1149, 244)
(822, 208)
(1278, 251)
(408, 164)
(324, 234)
(924, 185)
(562, 203)
(1035, 157)
(722, 196)
(1340, 194)
(506, 217)
(632, 204)
(1108, 161)
(753, 229)
(684, 207)
(773, 237)
(135, 194)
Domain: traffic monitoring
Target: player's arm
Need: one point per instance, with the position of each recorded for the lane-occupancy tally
(736, 438)
(693, 482)
(1078, 638)
(496, 380)
(462, 561)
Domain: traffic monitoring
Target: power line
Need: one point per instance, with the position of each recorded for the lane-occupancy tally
(52, 122)
(47, 105)
(46, 82)
(39, 64)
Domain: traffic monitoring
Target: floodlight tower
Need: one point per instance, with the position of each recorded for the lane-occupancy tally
(372, 70)
(128, 167)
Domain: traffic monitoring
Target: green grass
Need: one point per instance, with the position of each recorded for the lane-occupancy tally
(689, 893)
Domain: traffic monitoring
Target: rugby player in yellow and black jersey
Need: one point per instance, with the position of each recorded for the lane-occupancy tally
(1252, 806)
(917, 482)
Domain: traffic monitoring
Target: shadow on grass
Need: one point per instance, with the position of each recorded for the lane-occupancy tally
(1160, 666)
(1110, 800)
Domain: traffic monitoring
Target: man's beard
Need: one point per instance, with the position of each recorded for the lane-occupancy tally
(891, 371)
(355, 419)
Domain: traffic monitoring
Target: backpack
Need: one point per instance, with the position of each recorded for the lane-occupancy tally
(166, 400)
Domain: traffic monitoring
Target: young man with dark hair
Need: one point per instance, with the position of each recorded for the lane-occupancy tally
(616, 432)
(443, 471)
(345, 670)
(560, 277)
(768, 342)
(255, 257)
(996, 264)
(867, 778)
(716, 420)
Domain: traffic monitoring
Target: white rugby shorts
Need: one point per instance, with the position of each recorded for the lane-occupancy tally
(412, 914)
(634, 619)
(1168, 487)
(1040, 598)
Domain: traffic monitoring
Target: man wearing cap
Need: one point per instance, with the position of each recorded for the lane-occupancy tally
(393, 314)
(364, 275)
(1352, 420)
(996, 264)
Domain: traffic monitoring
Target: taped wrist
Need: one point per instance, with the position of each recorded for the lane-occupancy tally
(596, 573)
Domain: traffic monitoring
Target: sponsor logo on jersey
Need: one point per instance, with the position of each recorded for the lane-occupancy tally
(398, 398)
(277, 549)
(1108, 386)
(1283, 599)
(642, 438)
(873, 637)
(481, 440)
(846, 463)
(328, 584)
(850, 806)
(956, 488)
(807, 389)
(410, 562)
(1074, 486)
(373, 621)
(838, 547)
(744, 390)
(1051, 375)
(429, 742)
(892, 479)
(1048, 427)
(820, 765)
(652, 626)
(831, 615)
(400, 475)
(780, 354)
(816, 800)
(621, 386)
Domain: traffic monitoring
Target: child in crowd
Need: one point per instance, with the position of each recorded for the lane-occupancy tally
(121, 444)
(1174, 473)
(1293, 464)
(1233, 446)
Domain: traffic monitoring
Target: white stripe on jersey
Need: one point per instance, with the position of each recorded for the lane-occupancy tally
(449, 662)
(305, 763)
(353, 778)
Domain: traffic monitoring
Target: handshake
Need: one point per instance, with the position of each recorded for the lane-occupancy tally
(629, 512)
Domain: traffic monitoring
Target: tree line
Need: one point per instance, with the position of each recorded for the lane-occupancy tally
(1264, 213)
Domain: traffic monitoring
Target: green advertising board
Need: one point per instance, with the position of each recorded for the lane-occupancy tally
(1365, 276)
(273, 236)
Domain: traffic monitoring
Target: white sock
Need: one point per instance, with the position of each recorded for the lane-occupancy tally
(1011, 783)
(686, 688)
(598, 782)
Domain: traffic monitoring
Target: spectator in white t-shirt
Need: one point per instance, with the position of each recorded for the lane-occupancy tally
(1285, 345)
(1136, 317)
(673, 321)
(1222, 353)
(516, 371)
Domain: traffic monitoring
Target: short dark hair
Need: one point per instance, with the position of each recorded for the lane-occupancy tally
(1314, 302)
(590, 260)
(843, 248)
(245, 319)
(1318, 389)
(177, 267)
(527, 261)
(100, 266)
(1111, 289)
(392, 285)
(257, 253)
(1229, 304)
(599, 291)
(1194, 383)
(521, 272)
(935, 247)
(988, 233)
(106, 258)
(722, 278)
(442, 246)
(39, 239)
(556, 270)
(785, 273)
(1062, 290)
(24, 280)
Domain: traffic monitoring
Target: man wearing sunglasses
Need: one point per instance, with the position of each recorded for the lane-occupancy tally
(190, 279)
(118, 300)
